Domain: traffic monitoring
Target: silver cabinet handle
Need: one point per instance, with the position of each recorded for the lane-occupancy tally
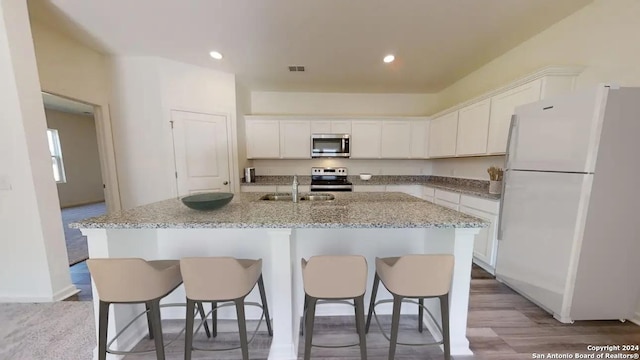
(225, 183)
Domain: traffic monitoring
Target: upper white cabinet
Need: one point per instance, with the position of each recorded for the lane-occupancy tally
(331, 126)
(263, 139)
(396, 142)
(295, 139)
(443, 135)
(473, 128)
(502, 108)
(366, 138)
(420, 139)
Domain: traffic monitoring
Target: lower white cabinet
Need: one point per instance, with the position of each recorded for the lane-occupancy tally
(448, 204)
(258, 188)
(485, 247)
(368, 188)
(413, 190)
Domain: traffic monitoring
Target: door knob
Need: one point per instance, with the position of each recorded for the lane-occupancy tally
(225, 183)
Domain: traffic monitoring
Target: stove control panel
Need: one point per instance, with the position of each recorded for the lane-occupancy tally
(338, 171)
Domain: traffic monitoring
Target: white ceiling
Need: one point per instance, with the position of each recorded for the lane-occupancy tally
(340, 42)
(61, 104)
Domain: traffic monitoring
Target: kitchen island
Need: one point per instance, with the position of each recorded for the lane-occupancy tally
(281, 233)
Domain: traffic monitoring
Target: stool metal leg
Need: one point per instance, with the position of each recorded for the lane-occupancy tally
(304, 311)
(359, 302)
(265, 307)
(203, 315)
(395, 323)
(149, 321)
(374, 292)
(214, 318)
(242, 327)
(188, 334)
(444, 309)
(420, 314)
(154, 305)
(103, 323)
(310, 317)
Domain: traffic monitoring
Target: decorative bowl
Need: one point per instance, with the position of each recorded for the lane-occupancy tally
(365, 176)
(207, 201)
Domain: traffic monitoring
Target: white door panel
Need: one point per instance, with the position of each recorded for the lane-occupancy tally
(559, 134)
(201, 152)
(539, 221)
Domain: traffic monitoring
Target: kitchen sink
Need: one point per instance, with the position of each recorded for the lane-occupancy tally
(288, 197)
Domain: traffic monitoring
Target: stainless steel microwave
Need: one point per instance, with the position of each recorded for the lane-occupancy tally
(330, 145)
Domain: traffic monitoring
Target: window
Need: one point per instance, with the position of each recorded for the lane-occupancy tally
(56, 155)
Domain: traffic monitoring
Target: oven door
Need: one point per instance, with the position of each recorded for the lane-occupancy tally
(330, 145)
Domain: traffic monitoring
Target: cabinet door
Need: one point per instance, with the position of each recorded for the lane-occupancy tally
(263, 139)
(473, 128)
(340, 126)
(442, 135)
(258, 188)
(368, 188)
(485, 245)
(295, 139)
(365, 139)
(320, 127)
(419, 139)
(502, 107)
(396, 142)
(448, 204)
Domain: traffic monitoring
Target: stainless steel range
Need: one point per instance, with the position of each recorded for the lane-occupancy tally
(330, 179)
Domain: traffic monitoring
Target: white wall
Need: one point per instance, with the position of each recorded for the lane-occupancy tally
(70, 69)
(243, 106)
(297, 103)
(376, 167)
(145, 90)
(468, 168)
(603, 36)
(80, 157)
(33, 257)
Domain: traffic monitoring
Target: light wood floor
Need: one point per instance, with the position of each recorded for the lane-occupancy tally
(502, 325)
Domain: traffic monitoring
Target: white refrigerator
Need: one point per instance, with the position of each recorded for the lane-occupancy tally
(569, 232)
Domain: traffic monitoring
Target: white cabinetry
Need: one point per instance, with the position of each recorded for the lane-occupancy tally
(258, 188)
(485, 247)
(263, 139)
(419, 139)
(366, 139)
(428, 193)
(331, 126)
(502, 107)
(473, 128)
(447, 199)
(368, 188)
(295, 139)
(395, 143)
(442, 135)
(413, 190)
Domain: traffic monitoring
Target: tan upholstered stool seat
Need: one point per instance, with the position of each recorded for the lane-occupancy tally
(339, 277)
(222, 279)
(415, 277)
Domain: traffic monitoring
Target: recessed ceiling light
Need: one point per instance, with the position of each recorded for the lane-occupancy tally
(389, 58)
(216, 55)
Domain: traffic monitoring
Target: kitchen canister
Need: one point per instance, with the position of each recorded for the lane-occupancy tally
(250, 175)
(495, 186)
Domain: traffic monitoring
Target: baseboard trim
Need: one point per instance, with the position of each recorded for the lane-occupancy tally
(58, 296)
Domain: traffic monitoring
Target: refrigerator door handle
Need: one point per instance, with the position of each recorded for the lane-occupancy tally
(512, 126)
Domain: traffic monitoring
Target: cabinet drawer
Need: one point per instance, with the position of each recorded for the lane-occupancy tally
(288, 188)
(428, 191)
(428, 198)
(448, 196)
(447, 204)
(490, 206)
(368, 188)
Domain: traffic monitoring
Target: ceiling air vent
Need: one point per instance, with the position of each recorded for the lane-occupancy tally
(296, 68)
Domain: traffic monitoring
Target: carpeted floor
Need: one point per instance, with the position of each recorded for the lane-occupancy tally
(60, 330)
(76, 243)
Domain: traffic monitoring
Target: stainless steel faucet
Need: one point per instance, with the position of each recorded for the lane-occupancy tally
(294, 189)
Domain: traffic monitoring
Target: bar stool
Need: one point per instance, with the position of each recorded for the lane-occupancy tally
(130, 281)
(222, 279)
(414, 277)
(334, 279)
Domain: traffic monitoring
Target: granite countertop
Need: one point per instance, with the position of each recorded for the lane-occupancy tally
(471, 187)
(348, 210)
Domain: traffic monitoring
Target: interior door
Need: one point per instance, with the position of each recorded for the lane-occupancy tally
(201, 152)
(542, 214)
(559, 134)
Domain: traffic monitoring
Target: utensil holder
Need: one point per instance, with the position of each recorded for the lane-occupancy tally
(495, 186)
